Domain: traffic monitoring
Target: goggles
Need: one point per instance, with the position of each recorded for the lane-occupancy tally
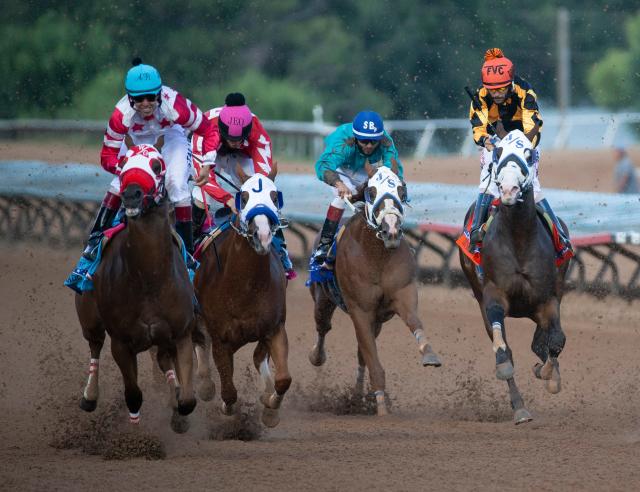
(145, 97)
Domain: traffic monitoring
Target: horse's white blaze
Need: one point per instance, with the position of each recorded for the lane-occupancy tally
(498, 341)
(510, 179)
(263, 230)
(392, 221)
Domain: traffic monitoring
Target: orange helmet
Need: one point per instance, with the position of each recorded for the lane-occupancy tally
(497, 70)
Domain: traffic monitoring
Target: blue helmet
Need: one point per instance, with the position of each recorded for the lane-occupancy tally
(142, 79)
(368, 125)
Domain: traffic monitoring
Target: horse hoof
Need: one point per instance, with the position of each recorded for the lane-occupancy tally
(430, 358)
(88, 405)
(187, 406)
(270, 417)
(553, 385)
(179, 423)
(206, 390)
(504, 371)
(521, 416)
(228, 410)
(382, 410)
(317, 357)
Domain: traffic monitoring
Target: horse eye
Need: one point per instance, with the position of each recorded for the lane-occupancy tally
(274, 197)
(244, 198)
(156, 167)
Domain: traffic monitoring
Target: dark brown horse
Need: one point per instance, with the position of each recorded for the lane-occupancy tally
(520, 277)
(241, 288)
(143, 296)
(375, 271)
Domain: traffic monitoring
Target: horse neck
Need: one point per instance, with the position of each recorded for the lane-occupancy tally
(150, 240)
(520, 219)
(241, 255)
(367, 236)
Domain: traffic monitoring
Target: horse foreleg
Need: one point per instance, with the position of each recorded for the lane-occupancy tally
(223, 358)
(360, 373)
(405, 304)
(128, 363)
(89, 399)
(493, 317)
(323, 312)
(206, 387)
(365, 325)
(494, 310)
(184, 369)
(279, 350)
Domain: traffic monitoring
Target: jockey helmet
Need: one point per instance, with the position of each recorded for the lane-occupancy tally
(497, 70)
(235, 118)
(368, 125)
(142, 79)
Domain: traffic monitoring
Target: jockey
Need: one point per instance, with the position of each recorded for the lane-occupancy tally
(506, 102)
(150, 110)
(239, 138)
(341, 165)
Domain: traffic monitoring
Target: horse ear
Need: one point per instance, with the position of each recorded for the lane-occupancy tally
(159, 143)
(394, 166)
(369, 168)
(274, 171)
(241, 174)
(156, 166)
(128, 141)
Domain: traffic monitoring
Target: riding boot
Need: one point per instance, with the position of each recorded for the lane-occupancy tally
(104, 219)
(483, 202)
(563, 237)
(199, 215)
(329, 229)
(281, 247)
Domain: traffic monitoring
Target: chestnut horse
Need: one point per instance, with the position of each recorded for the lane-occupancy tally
(375, 271)
(520, 276)
(241, 289)
(143, 296)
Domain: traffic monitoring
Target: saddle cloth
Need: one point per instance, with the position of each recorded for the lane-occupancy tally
(562, 253)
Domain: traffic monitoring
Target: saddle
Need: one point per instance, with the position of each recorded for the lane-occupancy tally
(562, 254)
(326, 276)
(81, 278)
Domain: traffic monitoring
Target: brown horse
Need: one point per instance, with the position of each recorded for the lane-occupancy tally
(375, 271)
(241, 288)
(520, 278)
(143, 296)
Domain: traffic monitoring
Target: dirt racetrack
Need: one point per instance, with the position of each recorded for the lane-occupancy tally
(451, 428)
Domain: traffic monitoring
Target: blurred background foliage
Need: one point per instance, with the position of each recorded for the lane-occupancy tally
(406, 59)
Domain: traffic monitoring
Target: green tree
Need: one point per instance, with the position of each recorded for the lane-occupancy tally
(614, 81)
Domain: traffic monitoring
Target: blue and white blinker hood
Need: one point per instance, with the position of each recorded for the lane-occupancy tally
(260, 191)
(514, 154)
(386, 184)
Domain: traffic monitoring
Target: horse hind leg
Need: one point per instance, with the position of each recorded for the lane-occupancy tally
(223, 358)
(165, 359)
(279, 351)
(322, 312)
(184, 368)
(547, 344)
(206, 389)
(89, 400)
(128, 364)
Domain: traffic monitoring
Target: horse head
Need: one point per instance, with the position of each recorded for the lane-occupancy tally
(142, 178)
(384, 195)
(512, 167)
(258, 203)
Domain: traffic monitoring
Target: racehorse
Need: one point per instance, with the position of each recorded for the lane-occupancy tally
(241, 289)
(375, 271)
(143, 296)
(520, 277)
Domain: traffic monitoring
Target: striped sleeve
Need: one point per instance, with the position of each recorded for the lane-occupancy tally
(113, 137)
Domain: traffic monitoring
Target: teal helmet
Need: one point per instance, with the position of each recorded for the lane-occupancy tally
(142, 79)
